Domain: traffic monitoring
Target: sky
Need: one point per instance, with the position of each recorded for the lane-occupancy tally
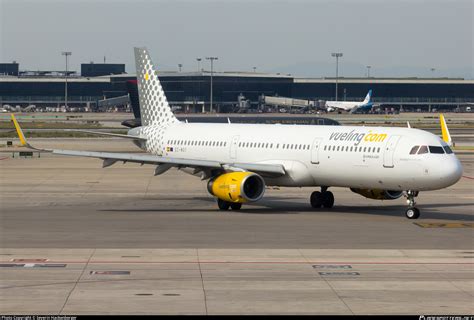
(395, 37)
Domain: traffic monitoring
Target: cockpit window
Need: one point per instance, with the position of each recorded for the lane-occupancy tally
(423, 149)
(447, 149)
(414, 150)
(436, 149)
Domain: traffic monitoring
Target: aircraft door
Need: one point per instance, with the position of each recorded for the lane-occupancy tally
(315, 150)
(233, 147)
(389, 151)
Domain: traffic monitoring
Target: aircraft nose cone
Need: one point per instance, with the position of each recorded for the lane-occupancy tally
(451, 171)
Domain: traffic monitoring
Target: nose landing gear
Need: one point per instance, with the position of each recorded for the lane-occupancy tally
(322, 199)
(412, 212)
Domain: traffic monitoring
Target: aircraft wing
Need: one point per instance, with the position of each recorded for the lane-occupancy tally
(110, 158)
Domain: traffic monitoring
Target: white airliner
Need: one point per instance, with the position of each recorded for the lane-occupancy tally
(351, 106)
(240, 160)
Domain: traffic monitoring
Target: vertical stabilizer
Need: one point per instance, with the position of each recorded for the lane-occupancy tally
(368, 97)
(154, 107)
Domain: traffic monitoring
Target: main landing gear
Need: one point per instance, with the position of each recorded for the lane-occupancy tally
(322, 199)
(412, 212)
(224, 205)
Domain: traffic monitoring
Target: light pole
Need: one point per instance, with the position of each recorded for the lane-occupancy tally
(337, 55)
(212, 74)
(67, 54)
(199, 63)
(368, 71)
(254, 69)
(180, 65)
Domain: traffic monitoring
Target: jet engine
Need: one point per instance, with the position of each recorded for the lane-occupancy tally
(378, 194)
(237, 187)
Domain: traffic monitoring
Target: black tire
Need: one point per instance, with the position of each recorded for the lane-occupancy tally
(316, 199)
(235, 206)
(223, 205)
(412, 213)
(328, 199)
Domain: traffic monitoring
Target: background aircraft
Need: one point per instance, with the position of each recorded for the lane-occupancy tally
(351, 106)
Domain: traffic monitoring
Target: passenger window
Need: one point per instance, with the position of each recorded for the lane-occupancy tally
(278, 146)
(423, 150)
(414, 149)
(448, 149)
(436, 149)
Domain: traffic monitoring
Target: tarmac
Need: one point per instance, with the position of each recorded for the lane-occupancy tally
(79, 239)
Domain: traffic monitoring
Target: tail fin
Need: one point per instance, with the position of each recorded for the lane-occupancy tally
(154, 107)
(444, 130)
(368, 97)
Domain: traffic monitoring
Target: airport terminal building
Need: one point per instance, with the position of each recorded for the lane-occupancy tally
(103, 85)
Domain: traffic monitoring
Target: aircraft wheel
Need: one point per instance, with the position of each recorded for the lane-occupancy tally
(223, 205)
(316, 199)
(327, 199)
(412, 213)
(235, 206)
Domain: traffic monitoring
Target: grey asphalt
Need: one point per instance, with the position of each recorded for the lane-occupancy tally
(66, 225)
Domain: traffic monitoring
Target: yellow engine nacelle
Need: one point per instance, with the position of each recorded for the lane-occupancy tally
(378, 194)
(237, 187)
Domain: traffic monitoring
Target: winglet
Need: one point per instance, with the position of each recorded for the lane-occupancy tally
(19, 131)
(444, 130)
(22, 136)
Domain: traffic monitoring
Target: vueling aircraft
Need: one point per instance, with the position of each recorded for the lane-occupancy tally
(240, 160)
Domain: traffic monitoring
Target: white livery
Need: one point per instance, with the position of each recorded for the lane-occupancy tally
(351, 106)
(240, 160)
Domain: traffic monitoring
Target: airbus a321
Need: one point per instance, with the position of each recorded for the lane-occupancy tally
(240, 160)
